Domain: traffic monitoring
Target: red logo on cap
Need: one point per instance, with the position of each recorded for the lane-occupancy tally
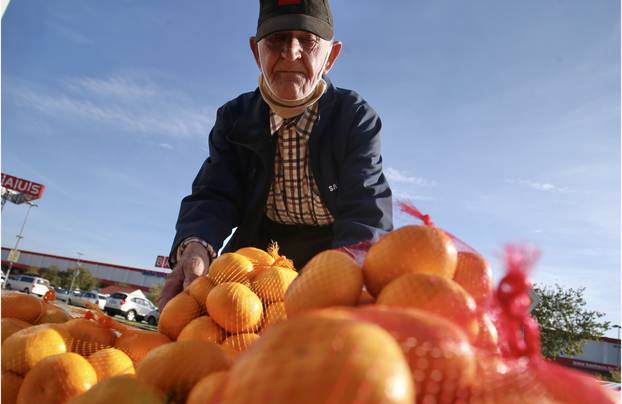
(288, 2)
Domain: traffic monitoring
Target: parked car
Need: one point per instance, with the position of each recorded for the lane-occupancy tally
(153, 317)
(61, 294)
(80, 299)
(133, 308)
(102, 300)
(29, 284)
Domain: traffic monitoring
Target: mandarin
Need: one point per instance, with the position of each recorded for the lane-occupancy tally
(256, 255)
(111, 362)
(438, 353)
(25, 348)
(234, 307)
(124, 389)
(137, 343)
(27, 308)
(199, 289)
(273, 313)
(88, 336)
(238, 343)
(434, 294)
(272, 283)
(177, 313)
(230, 267)
(409, 249)
(331, 278)
(175, 368)
(57, 379)
(474, 274)
(11, 325)
(311, 359)
(209, 389)
(202, 329)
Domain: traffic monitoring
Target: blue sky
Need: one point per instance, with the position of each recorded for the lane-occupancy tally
(500, 119)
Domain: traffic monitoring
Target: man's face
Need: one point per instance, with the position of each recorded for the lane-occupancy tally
(293, 61)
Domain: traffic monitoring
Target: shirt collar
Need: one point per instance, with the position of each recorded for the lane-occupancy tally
(277, 121)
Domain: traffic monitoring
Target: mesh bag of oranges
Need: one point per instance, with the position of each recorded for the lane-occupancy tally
(410, 318)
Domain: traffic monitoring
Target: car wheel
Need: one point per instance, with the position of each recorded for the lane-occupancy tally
(68, 301)
(151, 321)
(26, 290)
(130, 315)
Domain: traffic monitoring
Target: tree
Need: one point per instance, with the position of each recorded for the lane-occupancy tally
(84, 280)
(154, 293)
(564, 321)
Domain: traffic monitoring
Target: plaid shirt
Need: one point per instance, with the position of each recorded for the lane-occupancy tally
(294, 197)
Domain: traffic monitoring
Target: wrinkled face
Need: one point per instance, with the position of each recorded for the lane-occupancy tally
(292, 62)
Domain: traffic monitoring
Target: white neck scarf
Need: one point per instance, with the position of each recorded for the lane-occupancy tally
(289, 108)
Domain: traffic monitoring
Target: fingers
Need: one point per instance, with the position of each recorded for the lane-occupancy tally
(195, 262)
(194, 267)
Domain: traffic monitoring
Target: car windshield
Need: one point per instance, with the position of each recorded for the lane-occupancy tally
(101, 296)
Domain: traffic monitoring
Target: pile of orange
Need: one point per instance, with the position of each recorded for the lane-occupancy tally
(242, 295)
(405, 325)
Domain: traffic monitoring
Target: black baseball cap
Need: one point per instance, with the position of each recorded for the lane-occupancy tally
(295, 15)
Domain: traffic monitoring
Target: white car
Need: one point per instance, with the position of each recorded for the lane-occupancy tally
(80, 299)
(132, 307)
(29, 284)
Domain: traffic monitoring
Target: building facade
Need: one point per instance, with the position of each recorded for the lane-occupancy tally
(106, 274)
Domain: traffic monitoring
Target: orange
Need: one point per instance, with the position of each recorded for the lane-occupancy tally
(111, 362)
(230, 267)
(178, 312)
(200, 288)
(409, 249)
(238, 343)
(474, 274)
(313, 359)
(331, 278)
(209, 389)
(256, 255)
(57, 379)
(272, 283)
(137, 343)
(124, 389)
(53, 314)
(273, 313)
(23, 307)
(234, 307)
(11, 382)
(25, 348)
(202, 329)
(175, 368)
(88, 336)
(11, 325)
(439, 355)
(434, 294)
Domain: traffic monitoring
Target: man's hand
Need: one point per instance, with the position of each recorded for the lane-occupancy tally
(193, 263)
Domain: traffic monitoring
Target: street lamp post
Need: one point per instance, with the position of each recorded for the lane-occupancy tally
(618, 327)
(20, 237)
(77, 272)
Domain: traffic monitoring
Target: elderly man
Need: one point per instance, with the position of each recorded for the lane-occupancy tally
(296, 161)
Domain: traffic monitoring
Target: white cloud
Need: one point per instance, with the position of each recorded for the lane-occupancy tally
(166, 146)
(540, 186)
(137, 106)
(394, 175)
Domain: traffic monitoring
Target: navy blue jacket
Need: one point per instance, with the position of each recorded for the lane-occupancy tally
(231, 187)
